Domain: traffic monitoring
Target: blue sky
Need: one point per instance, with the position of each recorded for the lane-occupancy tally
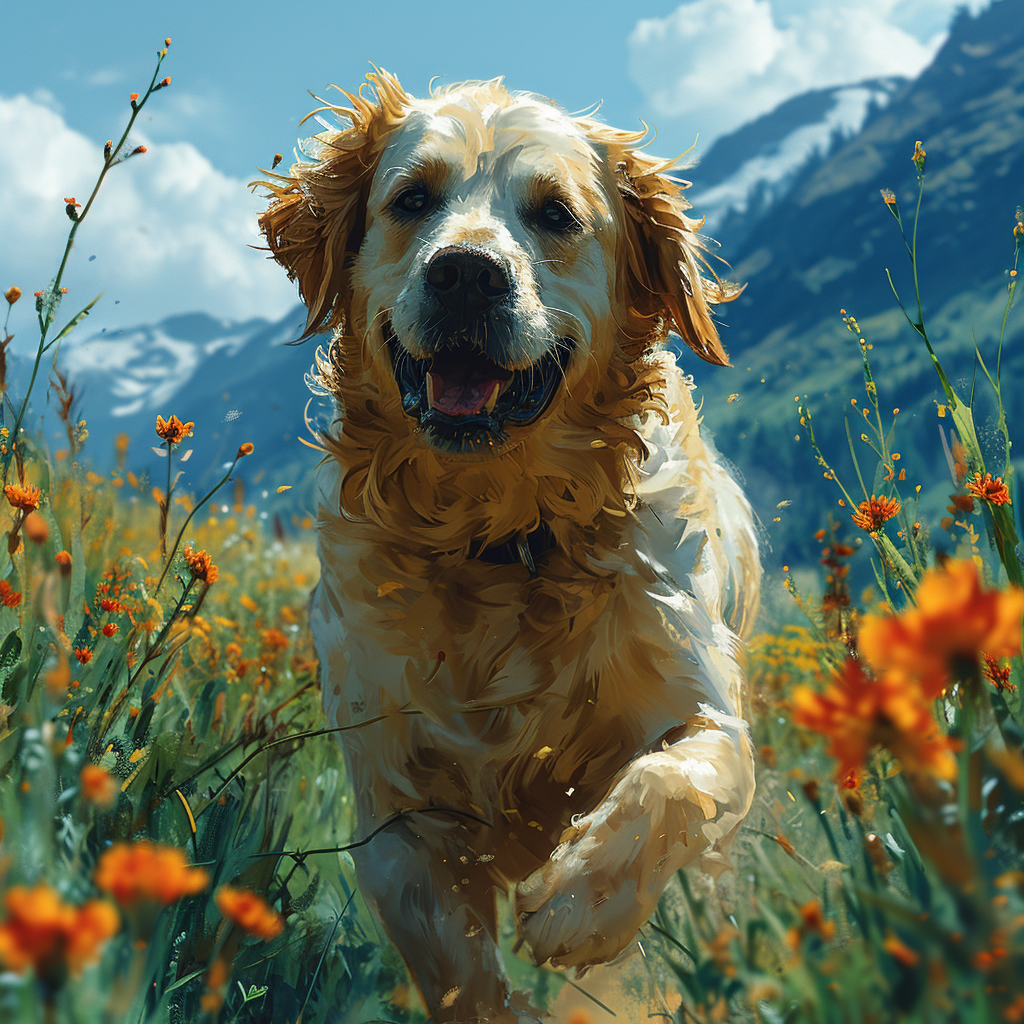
(171, 232)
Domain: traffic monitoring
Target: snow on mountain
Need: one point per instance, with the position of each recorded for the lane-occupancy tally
(753, 168)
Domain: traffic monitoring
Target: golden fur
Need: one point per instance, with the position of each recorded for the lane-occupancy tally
(587, 711)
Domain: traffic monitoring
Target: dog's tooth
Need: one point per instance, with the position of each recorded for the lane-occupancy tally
(492, 398)
(430, 391)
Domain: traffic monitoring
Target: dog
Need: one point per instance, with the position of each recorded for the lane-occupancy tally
(536, 572)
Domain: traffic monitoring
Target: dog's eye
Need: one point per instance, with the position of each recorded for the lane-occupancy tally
(556, 216)
(412, 200)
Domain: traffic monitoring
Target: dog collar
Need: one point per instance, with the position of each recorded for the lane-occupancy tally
(524, 547)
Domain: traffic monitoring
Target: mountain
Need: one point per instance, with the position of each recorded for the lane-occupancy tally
(748, 171)
(793, 198)
(237, 381)
(826, 244)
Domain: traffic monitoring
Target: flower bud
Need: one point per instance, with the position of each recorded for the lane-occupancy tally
(12, 294)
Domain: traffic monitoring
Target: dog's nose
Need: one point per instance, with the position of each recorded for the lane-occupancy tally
(467, 282)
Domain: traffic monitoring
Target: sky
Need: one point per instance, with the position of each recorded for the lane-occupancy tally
(172, 230)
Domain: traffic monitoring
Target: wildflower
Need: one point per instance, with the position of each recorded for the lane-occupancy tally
(245, 449)
(98, 786)
(249, 911)
(137, 150)
(26, 497)
(918, 157)
(9, 597)
(111, 604)
(274, 639)
(216, 978)
(953, 622)
(857, 713)
(132, 872)
(997, 673)
(109, 629)
(63, 559)
(35, 528)
(173, 430)
(83, 654)
(814, 920)
(990, 489)
(897, 949)
(200, 565)
(12, 294)
(889, 196)
(874, 512)
(133, 98)
(44, 932)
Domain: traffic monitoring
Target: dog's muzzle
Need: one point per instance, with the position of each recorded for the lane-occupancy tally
(466, 394)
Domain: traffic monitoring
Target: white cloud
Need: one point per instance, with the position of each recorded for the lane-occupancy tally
(712, 65)
(167, 233)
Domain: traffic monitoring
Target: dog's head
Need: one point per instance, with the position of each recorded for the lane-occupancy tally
(479, 251)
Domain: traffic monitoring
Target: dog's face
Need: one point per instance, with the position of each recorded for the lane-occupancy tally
(486, 268)
(480, 250)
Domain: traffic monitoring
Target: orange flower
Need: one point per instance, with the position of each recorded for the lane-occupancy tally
(131, 872)
(955, 620)
(274, 639)
(173, 430)
(63, 559)
(8, 595)
(857, 713)
(990, 489)
(26, 498)
(83, 654)
(35, 528)
(200, 565)
(12, 294)
(246, 449)
(874, 512)
(997, 674)
(109, 629)
(249, 911)
(900, 951)
(98, 786)
(44, 932)
(889, 196)
(815, 921)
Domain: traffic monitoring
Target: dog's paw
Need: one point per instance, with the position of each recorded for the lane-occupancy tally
(603, 881)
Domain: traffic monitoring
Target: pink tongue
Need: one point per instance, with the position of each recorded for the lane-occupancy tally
(459, 399)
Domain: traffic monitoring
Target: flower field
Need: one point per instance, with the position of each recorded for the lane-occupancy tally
(174, 816)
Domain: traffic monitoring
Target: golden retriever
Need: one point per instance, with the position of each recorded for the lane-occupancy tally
(535, 573)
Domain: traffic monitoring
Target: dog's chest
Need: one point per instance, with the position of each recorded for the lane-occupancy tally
(491, 679)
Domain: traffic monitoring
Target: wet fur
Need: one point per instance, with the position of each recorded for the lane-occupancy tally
(591, 713)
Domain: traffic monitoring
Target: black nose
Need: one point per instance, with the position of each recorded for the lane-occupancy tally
(467, 282)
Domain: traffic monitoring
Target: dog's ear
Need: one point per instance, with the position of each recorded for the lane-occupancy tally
(316, 220)
(660, 284)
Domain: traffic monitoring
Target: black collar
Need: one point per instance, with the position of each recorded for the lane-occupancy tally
(528, 548)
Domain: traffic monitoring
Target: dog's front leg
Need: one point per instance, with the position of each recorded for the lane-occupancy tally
(603, 881)
(437, 905)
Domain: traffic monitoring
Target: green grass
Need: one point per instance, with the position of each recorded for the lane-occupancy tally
(899, 898)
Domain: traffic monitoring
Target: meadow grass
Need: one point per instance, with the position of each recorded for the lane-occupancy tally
(174, 817)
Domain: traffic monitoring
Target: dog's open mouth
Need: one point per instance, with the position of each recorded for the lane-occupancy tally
(464, 400)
